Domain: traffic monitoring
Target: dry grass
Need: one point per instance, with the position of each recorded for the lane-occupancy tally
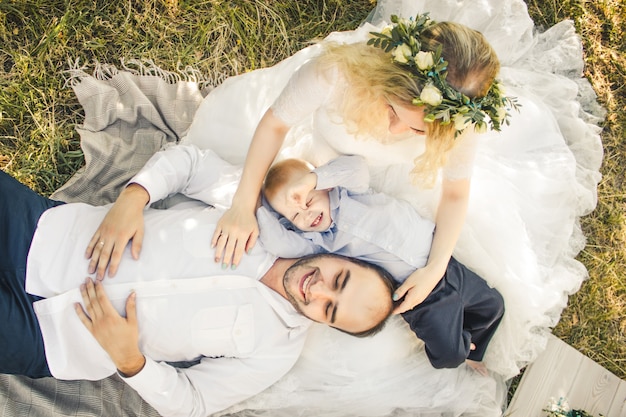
(37, 114)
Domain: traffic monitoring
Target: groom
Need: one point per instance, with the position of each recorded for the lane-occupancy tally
(242, 328)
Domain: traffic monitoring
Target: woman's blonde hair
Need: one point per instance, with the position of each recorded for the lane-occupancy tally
(374, 80)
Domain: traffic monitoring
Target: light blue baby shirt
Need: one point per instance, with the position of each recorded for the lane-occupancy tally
(367, 225)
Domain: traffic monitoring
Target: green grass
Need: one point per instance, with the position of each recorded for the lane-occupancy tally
(595, 320)
(39, 146)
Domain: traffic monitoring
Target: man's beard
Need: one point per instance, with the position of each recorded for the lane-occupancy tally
(289, 275)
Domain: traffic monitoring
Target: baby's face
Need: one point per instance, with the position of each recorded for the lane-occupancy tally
(316, 216)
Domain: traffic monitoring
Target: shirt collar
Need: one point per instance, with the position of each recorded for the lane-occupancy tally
(291, 317)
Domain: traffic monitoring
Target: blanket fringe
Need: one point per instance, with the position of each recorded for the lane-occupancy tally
(139, 67)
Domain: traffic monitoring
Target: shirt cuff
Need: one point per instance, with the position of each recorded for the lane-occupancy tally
(157, 190)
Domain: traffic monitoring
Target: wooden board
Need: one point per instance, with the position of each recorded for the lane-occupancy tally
(562, 371)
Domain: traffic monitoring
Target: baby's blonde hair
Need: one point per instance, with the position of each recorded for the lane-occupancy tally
(280, 173)
(374, 80)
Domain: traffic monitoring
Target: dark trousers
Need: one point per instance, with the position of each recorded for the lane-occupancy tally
(462, 309)
(21, 345)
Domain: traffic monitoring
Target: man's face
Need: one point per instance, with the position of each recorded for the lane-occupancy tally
(314, 218)
(335, 291)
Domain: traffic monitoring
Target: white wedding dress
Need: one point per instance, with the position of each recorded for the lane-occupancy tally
(530, 184)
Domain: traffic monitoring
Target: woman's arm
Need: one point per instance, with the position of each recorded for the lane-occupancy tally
(305, 92)
(449, 222)
(237, 230)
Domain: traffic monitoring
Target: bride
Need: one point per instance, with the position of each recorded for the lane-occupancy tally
(530, 182)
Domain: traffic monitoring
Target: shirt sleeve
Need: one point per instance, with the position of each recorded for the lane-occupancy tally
(186, 169)
(214, 384)
(307, 89)
(346, 171)
(402, 237)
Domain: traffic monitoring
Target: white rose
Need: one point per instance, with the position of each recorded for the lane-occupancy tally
(461, 121)
(431, 95)
(386, 30)
(401, 53)
(424, 60)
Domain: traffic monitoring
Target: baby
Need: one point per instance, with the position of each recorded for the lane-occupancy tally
(330, 209)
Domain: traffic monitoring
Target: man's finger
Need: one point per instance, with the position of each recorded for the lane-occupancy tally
(83, 316)
(86, 301)
(103, 263)
(95, 255)
(131, 308)
(137, 242)
(93, 307)
(92, 245)
(114, 261)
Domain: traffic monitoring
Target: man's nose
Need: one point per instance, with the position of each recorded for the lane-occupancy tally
(319, 290)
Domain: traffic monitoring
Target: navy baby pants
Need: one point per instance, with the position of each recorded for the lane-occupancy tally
(462, 309)
(21, 344)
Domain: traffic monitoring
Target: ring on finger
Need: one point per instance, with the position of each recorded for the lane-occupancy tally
(101, 243)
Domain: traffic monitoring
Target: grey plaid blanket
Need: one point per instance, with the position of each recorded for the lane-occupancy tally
(129, 115)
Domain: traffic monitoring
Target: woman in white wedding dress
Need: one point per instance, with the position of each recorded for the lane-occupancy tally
(530, 184)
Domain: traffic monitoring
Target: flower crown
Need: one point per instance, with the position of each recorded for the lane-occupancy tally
(444, 103)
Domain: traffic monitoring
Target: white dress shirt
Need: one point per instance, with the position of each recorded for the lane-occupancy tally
(245, 335)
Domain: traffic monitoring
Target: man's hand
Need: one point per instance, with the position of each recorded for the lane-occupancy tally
(416, 288)
(236, 232)
(123, 223)
(117, 335)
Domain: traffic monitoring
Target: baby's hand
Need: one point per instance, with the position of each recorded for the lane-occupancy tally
(298, 190)
(415, 289)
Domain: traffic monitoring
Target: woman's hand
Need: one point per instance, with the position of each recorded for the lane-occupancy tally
(118, 336)
(450, 218)
(236, 232)
(123, 223)
(416, 288)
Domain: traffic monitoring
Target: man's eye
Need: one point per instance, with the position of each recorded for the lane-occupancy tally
(326, 312)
